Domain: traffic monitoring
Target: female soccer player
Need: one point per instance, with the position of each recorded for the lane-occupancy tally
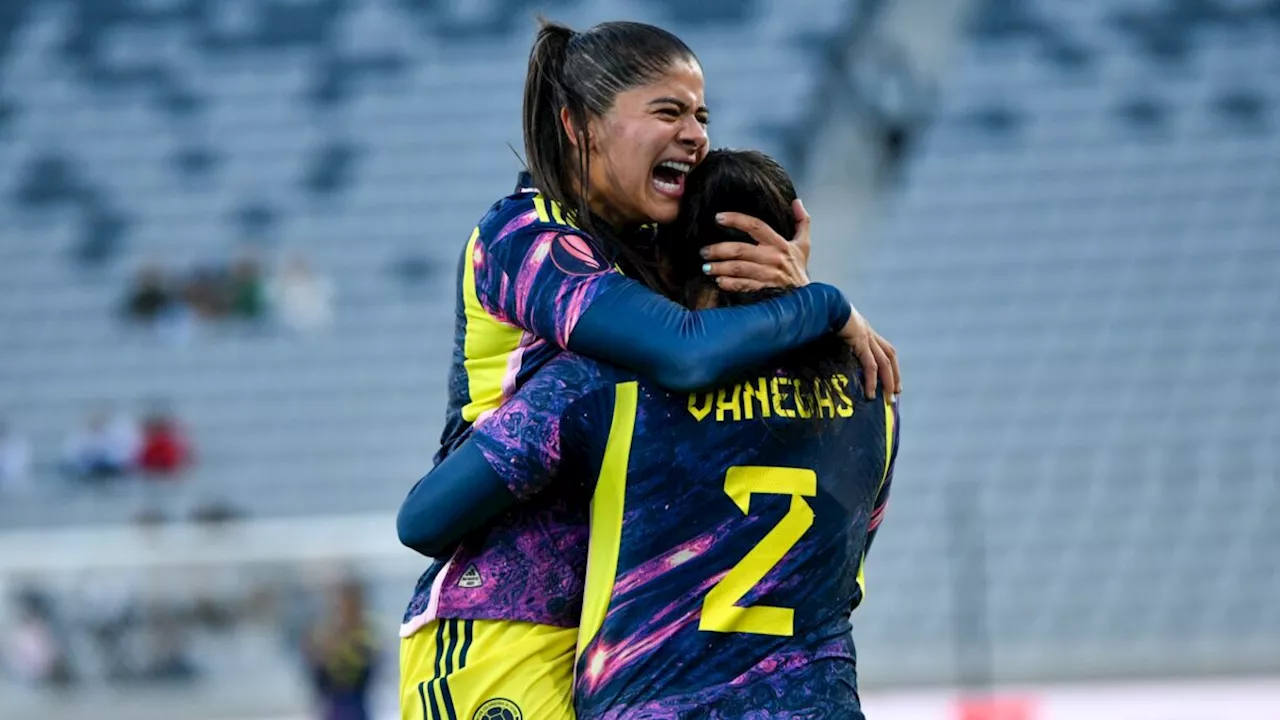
(726, 591)
(614, 119)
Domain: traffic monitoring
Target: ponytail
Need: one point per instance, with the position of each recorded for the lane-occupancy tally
(546, 147)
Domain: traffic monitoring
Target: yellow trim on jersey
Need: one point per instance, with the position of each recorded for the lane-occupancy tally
(607, 506)
(550, 211)
(884, 475)
(540, 207)
(487, 344)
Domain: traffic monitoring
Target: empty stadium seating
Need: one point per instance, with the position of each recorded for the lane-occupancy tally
(1085, 291)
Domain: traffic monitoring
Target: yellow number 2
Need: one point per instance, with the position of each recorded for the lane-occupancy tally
(720, 612)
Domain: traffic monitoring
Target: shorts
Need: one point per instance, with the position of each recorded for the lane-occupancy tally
(455, 669)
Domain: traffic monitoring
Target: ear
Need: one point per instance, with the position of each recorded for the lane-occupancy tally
(571, 130)
(566, 121)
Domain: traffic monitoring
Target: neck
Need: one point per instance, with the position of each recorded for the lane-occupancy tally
(601, 210)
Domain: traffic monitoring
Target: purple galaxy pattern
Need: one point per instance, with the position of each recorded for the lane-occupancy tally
(518, 284)
(532, 561)
(809, 684)
(682, 534)
(517, 287)
(532, 564)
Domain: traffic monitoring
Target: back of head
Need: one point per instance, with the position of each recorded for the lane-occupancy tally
(752, 183)
(743, 181)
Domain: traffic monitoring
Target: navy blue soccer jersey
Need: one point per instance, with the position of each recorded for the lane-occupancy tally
(528, 280)
(727, 533)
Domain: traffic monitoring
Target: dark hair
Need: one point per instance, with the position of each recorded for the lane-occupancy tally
(752, 183)
(583, 73)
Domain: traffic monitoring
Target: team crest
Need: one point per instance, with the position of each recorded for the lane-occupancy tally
(575, 255)
(498, 709)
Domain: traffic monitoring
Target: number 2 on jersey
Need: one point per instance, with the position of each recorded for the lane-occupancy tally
(720, 612)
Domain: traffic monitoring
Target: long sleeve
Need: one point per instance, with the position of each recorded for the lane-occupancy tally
(556, 284)
(514, 454)
(685, 350)
(460, 495)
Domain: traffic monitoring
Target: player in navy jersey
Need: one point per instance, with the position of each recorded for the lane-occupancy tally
(613, 119)
(728, 528)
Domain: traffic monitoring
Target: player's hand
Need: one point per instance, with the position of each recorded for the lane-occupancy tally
(772, 263)
(878, 357)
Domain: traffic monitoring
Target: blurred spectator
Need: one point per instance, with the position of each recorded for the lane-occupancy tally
(104, 448)
(341, 653)
(301, 298)
(166, 450)
(150, 297)
(248, 291)
(153, 301)
(207, 291)
(15, 460)
(32, 649)
(169, 654)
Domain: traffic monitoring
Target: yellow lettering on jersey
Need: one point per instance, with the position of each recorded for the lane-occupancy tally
(755, 391)
(779, 393)
(826, 406)
(844, 404)
(783, 397)
(700, 405)
(728, 404)
(804, 404)
(720, 611)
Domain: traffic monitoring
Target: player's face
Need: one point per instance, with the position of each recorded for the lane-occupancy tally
(645, 145)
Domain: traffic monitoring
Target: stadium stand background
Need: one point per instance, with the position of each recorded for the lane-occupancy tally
(1077, 258)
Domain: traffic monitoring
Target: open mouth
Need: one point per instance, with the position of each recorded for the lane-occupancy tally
(668, 177)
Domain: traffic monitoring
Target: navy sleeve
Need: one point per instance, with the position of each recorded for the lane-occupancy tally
(462, 494)
(685, 350)
(512, 455)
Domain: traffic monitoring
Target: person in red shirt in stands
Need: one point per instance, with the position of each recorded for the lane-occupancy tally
(165, 452)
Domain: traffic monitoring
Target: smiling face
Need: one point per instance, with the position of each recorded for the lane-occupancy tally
(645, 144)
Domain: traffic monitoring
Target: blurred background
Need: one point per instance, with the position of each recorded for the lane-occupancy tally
(228, 234)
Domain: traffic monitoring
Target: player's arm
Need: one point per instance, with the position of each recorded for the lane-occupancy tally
(462, 494)
(686, 350)
(510, 456)
(557, 285)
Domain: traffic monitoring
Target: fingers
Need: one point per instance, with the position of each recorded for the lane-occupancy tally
(865, 352)
(741, 285)
(731, 250)
(745, 270)
(891, 375)
(881, 374)
(801, 240)
(756, 228)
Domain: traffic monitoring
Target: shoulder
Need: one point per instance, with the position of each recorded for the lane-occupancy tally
(578, 376)
(526, 222)
(573, 383)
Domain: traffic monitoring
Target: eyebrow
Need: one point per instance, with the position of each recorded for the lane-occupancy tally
(684, 106)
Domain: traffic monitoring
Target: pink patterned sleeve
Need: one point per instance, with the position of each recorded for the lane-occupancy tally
(541, 280)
